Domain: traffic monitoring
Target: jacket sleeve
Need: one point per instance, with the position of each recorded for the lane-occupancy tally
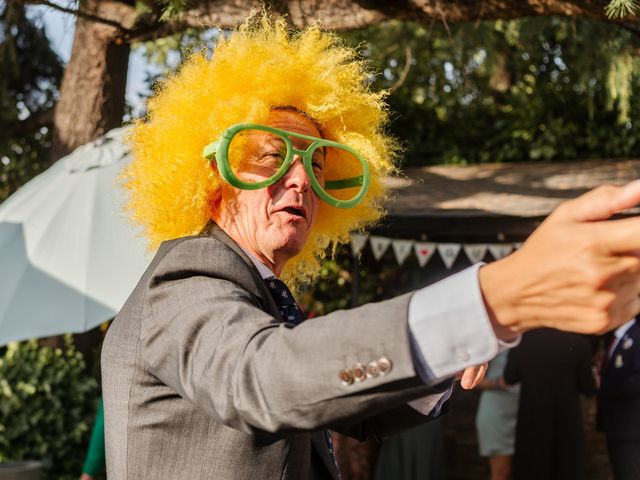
(204, 335)
(388, 423)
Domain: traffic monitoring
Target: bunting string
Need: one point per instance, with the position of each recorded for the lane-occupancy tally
(424, 251)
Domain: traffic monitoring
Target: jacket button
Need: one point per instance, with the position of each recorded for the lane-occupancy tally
(463, 355)
(373, 370)
(359, 372)
(384, 365)
(346, 377)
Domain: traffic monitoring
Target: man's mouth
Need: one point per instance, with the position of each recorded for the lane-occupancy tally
(295, 211)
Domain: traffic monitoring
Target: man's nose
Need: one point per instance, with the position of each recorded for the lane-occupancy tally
(296, 176)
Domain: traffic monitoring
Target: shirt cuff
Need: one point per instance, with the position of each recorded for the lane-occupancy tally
(449, 327)
(506, 345)
(432, 404)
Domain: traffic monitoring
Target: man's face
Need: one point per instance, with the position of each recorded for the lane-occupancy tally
(273, 223)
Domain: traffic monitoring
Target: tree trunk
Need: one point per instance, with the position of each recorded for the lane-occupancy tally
(93, 85)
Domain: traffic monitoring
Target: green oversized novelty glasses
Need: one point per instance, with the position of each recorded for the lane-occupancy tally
(250, 156)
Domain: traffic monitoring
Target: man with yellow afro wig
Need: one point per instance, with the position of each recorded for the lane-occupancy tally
(248, 168)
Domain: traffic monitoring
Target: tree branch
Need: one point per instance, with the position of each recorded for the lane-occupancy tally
(334, 14)
(349, 14)
(405, 70)
(153, 29)
(79, 13)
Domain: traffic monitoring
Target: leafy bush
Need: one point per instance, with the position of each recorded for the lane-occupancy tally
(531, 89)
(48, 400)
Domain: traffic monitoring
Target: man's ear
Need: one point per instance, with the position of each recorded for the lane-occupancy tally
(222, 203)
(215, 201)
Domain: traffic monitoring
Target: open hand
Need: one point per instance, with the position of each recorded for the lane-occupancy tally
(577, 272)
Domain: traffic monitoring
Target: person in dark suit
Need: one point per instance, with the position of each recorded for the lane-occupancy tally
(249, 167)
(619, 401)
(553, 368)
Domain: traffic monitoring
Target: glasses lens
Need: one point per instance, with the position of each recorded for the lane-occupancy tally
(255, 156)
(342, 174)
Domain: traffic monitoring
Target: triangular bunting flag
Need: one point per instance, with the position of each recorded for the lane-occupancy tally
(424, 250)
(500, 250)
(475, 252)
(402, 249)
(449, 252)
(379, 245)
(358, 241)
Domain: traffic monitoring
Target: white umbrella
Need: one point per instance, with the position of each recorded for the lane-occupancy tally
(68, 256)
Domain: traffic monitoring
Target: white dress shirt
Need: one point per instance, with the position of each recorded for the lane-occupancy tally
(618, 334)
(450, 327)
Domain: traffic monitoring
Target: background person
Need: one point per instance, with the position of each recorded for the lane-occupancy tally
(496, 419)
(619, 401)
(417, 454)
(94, 465)
(553, 368)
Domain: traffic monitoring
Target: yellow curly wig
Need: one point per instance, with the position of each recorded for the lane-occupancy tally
(260, 66)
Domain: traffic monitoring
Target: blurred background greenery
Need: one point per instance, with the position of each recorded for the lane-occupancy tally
(528, 89)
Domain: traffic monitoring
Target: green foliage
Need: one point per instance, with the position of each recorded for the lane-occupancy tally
(167, 53)
(347, 282)
(164, 55)
(172, 8)
(31, 73)
(48, 401)
(621, 8)
(334, 289)
(518, 90)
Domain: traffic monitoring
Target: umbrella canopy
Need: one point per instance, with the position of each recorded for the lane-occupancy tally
(68, 257)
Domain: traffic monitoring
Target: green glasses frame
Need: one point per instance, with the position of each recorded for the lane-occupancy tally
(218, 151)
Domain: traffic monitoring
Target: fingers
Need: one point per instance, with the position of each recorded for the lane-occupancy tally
(602, 310)
(620, 236)
(623, 311)
(625, 291)
(630, 196)
(631, 309)
(600, 203)
(472, 376)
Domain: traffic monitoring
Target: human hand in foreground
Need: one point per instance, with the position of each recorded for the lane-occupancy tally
(577, 272)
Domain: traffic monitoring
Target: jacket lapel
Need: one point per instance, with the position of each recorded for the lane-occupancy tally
(261, 291)
(213, 230)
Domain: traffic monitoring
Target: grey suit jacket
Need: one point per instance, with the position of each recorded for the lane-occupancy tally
(202, 379)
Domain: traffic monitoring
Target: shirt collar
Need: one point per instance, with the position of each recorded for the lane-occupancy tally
(622, 329)
(265, 272)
